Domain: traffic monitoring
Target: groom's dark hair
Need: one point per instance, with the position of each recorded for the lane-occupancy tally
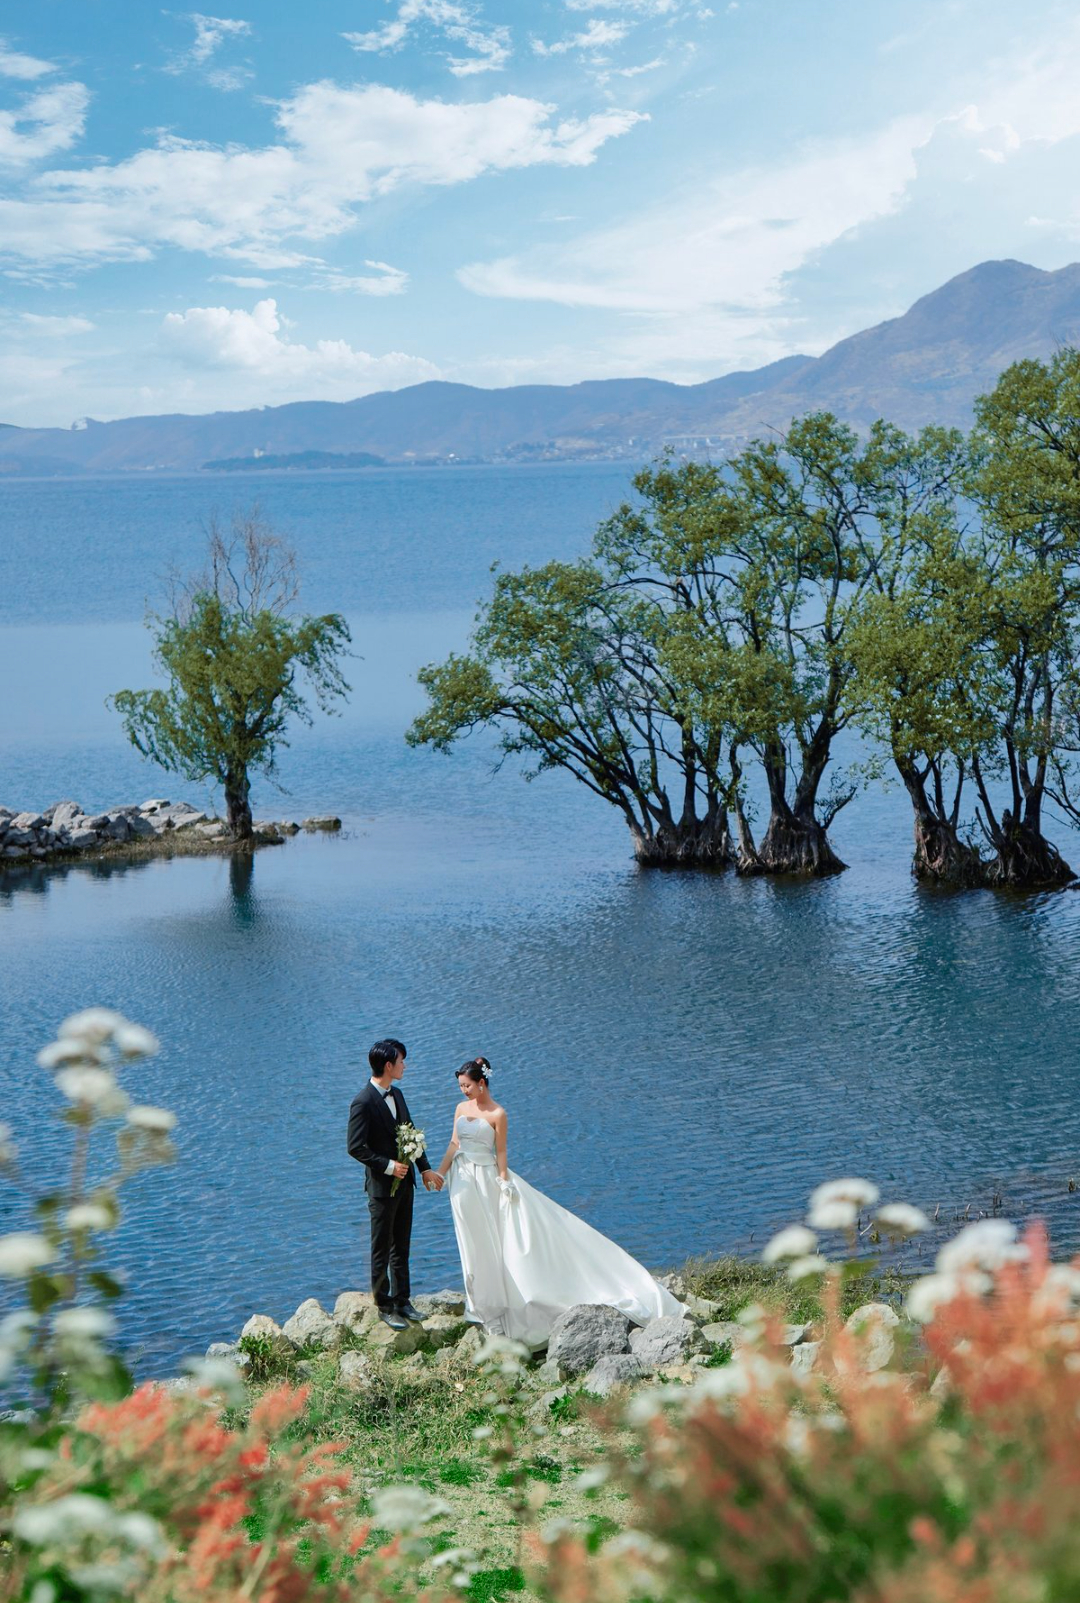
(384, 1053)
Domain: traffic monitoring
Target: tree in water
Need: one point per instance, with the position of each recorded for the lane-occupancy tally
(1025, 481)
(234, 655)
(569, 664)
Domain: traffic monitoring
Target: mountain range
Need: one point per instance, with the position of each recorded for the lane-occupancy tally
(926, 366)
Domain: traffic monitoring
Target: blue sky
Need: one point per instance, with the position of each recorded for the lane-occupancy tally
(288, 202)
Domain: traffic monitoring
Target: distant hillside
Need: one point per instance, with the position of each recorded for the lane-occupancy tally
(924, 367)
(306, 461)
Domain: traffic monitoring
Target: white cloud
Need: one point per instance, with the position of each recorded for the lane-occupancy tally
(210, 34)
(241, 282)
(44, 123)
(56, 327)
(489, 46)
(382, 280)
(15, 65)
(724, 245)
(252, 347)
(339, 148)
(598, 35)
(644, 8)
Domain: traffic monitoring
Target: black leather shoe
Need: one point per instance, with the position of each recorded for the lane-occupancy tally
(407, 1311)
(391, 1317)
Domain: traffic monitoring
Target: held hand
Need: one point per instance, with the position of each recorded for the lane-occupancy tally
(433, 1180)
(399, 1170)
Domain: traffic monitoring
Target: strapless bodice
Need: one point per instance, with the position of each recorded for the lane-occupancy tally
(476, 1140)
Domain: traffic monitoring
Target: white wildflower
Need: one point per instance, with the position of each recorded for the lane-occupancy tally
(862, 1193)
(902, 1219)
(590, 1479)
(23, 1252)
(929, 1293)
(94, 1024)
(86, 1085)
(105, 1578)
(157, 1121)
(88, 1216)
(135, 1041)
(987, 1244)
(17, 1328)
(217, 1375)
(837, 1215)
(812, 1264)
(794, 1242)
(746, 1371)
(482, 1432)
(80, 1324)
(647, 1404)
(63, 1521)
(35, 1458)
(503, 1354)
(405, 1508)
(71, 1050)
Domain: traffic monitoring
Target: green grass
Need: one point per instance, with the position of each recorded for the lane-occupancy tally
(733, 1283)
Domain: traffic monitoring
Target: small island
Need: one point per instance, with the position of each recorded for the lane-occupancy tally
(290, 461)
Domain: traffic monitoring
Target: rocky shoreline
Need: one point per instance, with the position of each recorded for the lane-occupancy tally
(65, 830)
(593, 1347)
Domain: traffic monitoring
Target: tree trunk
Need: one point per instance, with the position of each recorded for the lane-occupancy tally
(238, 805)
(797, 844)
(1024, 858)
(941, 857)
(690, 843)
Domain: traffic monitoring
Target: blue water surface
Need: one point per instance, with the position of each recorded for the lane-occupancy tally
(683, 1056)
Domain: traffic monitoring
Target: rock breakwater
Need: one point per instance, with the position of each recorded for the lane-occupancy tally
(65, 829)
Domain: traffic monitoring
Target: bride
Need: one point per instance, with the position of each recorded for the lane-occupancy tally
(525, 1259)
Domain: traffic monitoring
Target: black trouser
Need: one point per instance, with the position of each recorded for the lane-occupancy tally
(391, 1232)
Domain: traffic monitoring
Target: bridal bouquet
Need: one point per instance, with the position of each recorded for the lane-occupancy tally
(410, 1144)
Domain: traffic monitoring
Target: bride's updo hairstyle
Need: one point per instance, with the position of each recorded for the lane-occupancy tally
(477, 1070)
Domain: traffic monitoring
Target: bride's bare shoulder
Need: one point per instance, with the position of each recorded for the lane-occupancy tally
(498, 1113)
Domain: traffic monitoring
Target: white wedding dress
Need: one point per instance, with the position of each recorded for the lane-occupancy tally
(526, 1260)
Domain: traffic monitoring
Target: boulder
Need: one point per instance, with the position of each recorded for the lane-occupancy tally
(585, 1334)
(615, 1369)
(673, 1283)
(444, 1330)
(79, 839)
(64, 813)
(355, 1371)
(470, 1344)
(154, 805)
(16, 836)
(119, 827)
(354, 1308)
(804, 1356)
(700, 1309)
(324, 821)
(213, 830)
(97, 821)
(230, 1352)
(792, 1335)
(441, 1302)
(141, 828)
(382, 1338)
(872, 1326)
(724, 1330)
(27, 821)
(261, 1327)
(311, 1326)
(668, 1340)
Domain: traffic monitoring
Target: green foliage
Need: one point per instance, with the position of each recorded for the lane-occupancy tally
(236, 664)
(493, 1586)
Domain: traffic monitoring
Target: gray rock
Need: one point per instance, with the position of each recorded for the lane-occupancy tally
(668, 1340)
(213, 830)
(444, 1330)
(873, 1325)
(141, 828)
(724, 1330)
(549, 1371)
(356, 1371)
(262, 1327)
(585, 1334)
(230, 1352)
(382, 1338)
(616, 1369)
(470, 1344)
(325, 821)
(154, 805)
(64, 813)
(81, 838)
(311, 1326)
(17, 836)
(119, 827)
(673, 1283)
(700, 1309)
(804, 1357)
(27, 821)
(441, 1302)
(98, 821)
(354, 1309)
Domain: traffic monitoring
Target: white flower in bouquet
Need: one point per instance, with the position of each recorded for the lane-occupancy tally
(410, 1145)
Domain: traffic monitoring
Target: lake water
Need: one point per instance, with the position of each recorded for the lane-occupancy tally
(683, 1056)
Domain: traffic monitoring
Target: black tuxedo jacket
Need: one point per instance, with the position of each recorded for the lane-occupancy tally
(373, 1138)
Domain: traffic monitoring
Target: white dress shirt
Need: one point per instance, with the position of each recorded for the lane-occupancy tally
(386, 1095)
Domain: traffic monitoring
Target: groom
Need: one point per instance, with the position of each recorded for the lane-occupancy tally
(373, 1120)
